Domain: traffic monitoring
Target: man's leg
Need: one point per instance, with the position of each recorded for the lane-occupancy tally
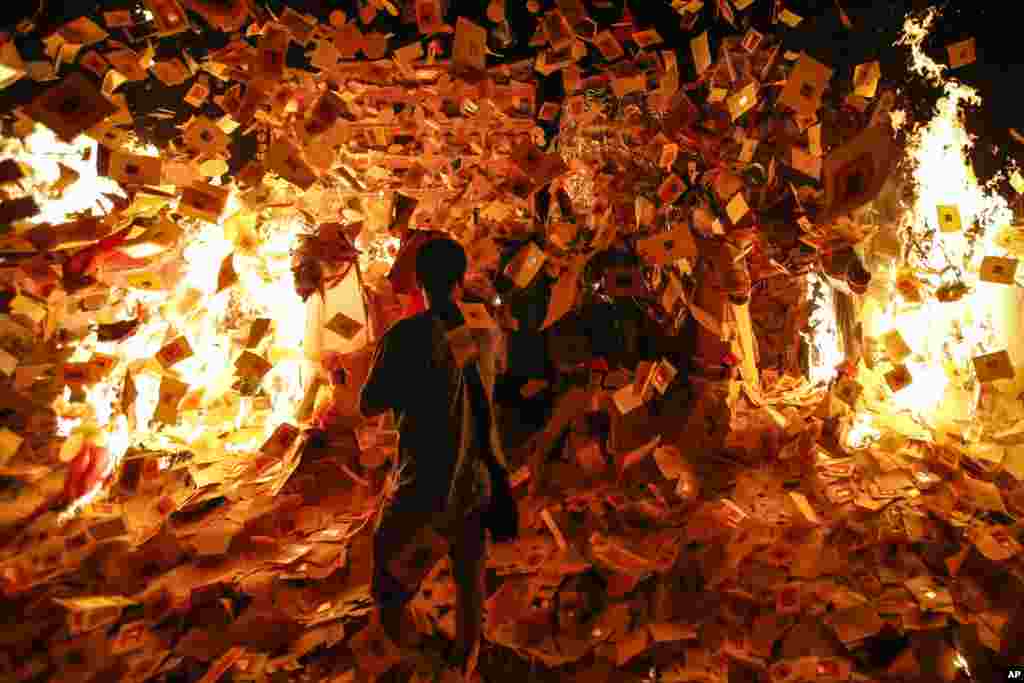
(398, 526)
(468, 550)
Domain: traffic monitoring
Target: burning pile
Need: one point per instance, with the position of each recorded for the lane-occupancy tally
(939, 321)
(164, 332)
(188, 485)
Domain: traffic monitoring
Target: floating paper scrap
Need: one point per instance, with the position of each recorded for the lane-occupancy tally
(647, 38)
(743, 101)
(623, 86)
(71, 107)
(133, 169)
(223, 663)
(257, 331)
(147, 280)
(410, 53)
(899, 378)
(252, 366)
(168, 15)
(118, 19)
(995, 543)
(8, 363)
(126, 63)
(671, 189)
(171, 72)
(203, 201)
(701, 50)
(174, 352)
(662, 375)
(814, 140)
(806, 85)
(608, 46)
(197, 94)
(737, 209)
(628, 398)
(752, 40)
(344, 326)
(10, 444)
(855, 173)
(949, 218)
(564, 293)
(865, 79)
(88, 613)
(287, 161)
(1017, 182)
(470, 50)
(226, 276)
(993, 366)
(999, 270)
(525, 265)
(961, 53)
(280, 441)
(717, 95)
(669, 247)
(789, 18)
(171, 393)
(12, 68)
(82, 31)
(895, 346)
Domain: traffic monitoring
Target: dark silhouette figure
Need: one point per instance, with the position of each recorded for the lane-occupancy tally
(453, 475)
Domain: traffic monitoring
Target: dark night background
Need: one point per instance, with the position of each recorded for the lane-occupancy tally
(876, 26)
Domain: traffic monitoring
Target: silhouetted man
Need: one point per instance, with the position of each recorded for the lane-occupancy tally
(448, 448)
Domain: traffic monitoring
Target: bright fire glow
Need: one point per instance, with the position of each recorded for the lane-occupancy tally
(824, 341)
(214, 419)
(862, 432)
(44, 153)
(944, 337)
(961, 662)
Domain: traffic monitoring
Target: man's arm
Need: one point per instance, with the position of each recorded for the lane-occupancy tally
(384, 389)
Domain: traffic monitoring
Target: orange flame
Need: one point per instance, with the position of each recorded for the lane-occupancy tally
(944, 336)
(214, 323)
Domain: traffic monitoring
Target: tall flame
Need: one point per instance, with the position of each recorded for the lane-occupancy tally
(823, 341)
(944, 336)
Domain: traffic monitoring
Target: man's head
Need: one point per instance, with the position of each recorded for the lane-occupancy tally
(440, 266)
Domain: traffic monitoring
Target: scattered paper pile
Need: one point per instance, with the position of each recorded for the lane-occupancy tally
(188, 486)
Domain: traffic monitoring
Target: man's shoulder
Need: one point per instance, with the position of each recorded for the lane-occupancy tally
(413, 325)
